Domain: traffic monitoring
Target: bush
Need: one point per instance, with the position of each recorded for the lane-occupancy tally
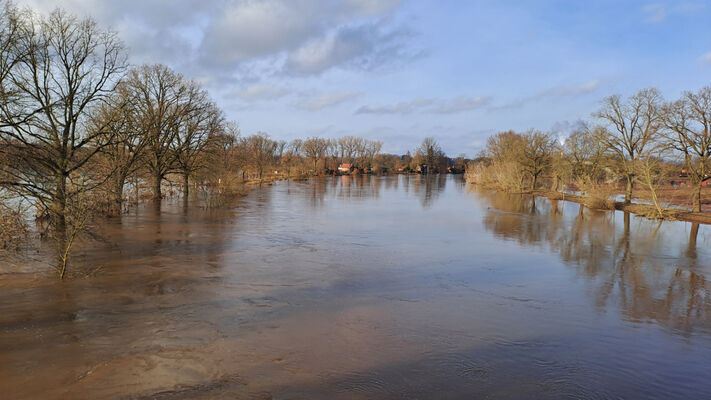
(14, 231)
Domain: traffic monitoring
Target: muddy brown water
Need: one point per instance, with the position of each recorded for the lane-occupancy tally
(367, 288)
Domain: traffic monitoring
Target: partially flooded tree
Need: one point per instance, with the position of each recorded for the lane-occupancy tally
(63, 68)
(504, 150)
(585, 153)
(199, 121)
(223, 154)
(431, 153)
(315, 149)
(292, 155)
(652, 171)
(10, 53)
(372, 149)
(261, 151)
(159, 94)
(688, 124)
(125, 144)
(535, 155)
(632, 125)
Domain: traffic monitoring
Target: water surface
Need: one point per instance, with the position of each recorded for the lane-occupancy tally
(368, 288)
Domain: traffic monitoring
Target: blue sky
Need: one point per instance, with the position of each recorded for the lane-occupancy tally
(398, 71)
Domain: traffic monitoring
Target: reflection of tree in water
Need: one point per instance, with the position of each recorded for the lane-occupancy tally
(317, 193)
(623, 260)
(427, 187)
(356, 187)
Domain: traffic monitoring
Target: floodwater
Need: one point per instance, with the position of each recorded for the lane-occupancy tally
(368, 288)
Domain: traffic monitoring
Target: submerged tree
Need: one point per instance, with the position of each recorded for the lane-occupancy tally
(62, 69)
(199, 122)
(261, 151)
(431, 153)
(159, 94)
(125, 147)
(315, 149)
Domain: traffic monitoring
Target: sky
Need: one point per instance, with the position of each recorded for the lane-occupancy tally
(399, 70)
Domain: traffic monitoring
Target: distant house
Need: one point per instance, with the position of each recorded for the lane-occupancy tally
(345, 168)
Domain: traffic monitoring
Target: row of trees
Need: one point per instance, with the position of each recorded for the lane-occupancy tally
(630, 140)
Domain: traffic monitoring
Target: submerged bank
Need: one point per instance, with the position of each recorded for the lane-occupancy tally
(644, 210)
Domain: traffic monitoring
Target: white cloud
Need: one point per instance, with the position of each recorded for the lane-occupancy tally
(302, 36)
(661, 11)
(706, 58)
(365, 46)
(429, 105)
(556, 93)
(459, 104)
(326, 100)
(261, 91)
(249, 29)
(405, 107)
(227, 37)
(654, 12)
(572, 90)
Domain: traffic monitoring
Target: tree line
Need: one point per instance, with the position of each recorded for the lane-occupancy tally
(639, 140)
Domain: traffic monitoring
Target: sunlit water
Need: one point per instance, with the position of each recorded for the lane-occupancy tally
(372, 288)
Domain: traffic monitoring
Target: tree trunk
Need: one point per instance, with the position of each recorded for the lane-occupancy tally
(693, 234)
(628, 190)
(186, 183)
(116, 201)
(535, 181)
(157, 180)
(696, 197)
(59, 210)
(554, 186)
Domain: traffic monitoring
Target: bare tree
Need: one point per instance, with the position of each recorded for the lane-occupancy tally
(431, 153)
(536, 155)
(584, 153)
(292, 155)
(64, 68)
(688, 123)
(372, 149)
(315, 149)
(10, 55)
(261, 151)
(125, 143)
(347, 147)
(199, 120)
(159, 93)
(632, 125)
(223, 154)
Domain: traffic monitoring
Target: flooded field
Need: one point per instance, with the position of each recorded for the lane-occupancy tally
(368, 288)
